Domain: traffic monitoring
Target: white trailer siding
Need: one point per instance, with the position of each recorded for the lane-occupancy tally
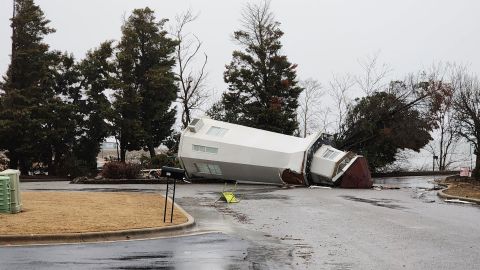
(220, 150)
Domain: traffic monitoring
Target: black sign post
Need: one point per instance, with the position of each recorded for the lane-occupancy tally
(174, 173)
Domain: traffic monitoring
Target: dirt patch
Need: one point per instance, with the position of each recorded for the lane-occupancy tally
(226, 210)
(463, 187)
(77, 212)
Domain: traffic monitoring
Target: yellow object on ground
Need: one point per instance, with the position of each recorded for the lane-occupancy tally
(77, 212)
(230, 197)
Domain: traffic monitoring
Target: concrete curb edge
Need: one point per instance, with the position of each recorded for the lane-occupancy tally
(443, 195)
(98, 236)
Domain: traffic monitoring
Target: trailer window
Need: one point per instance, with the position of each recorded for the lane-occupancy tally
(217, 131)
(214, 169)
(202, 168)
(206, 149)
(330, 154)
(208, 168)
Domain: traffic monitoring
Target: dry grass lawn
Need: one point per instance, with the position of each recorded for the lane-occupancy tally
(76, 212)
(464, 188)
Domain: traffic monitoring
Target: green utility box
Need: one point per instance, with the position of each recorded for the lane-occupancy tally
(15, 199)
(5, 205)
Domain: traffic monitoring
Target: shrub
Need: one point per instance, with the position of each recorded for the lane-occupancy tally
(120, 170)
(158, 161)
(73, 167)
(4, 161)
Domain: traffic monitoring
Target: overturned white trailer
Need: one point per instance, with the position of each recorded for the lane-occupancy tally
(219, 150)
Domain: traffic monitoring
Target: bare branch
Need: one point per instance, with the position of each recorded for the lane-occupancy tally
(339, 90)
(309, 105)
(373, 76)
(192, 79)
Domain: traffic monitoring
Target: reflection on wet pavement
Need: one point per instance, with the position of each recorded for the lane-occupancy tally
(218, 251)
(377, 202)
(407, 181)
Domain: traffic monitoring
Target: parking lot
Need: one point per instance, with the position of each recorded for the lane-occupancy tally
(275, 228)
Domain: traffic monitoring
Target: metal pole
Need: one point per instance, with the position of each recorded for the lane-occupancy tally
(166, 200)
(471, 158)
(173, 199)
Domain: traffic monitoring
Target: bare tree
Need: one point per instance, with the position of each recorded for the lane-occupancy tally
(192, 79)
(439, 105)
(467, 111)
(339, 91)
(373, 78)
(309, 105)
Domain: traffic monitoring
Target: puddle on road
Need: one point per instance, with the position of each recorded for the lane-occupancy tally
(426, 182)
(423, 187)
(387, 203)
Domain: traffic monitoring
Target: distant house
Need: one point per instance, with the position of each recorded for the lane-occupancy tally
(219, 150)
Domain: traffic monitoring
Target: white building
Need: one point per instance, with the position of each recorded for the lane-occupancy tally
(219, 150)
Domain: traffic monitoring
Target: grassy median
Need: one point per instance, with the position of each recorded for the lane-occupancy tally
(463, 187)
(78, 212)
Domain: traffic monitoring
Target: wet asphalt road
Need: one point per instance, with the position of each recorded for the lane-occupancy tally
(274, 228)
(216, 250)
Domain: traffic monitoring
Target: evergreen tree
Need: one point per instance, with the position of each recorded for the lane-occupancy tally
(59, 114)
(263, 90)
(380, 125)
(24, 84)
(146, 83)
(97, 71)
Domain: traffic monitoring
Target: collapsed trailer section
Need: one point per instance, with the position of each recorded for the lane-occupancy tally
(219, 150)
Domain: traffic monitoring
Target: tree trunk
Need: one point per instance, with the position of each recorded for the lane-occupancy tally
(13, 163)
(476, 171)
(52, 165)
(123, 154)
(441, 165)
(118, 151)
(151, 150)
(23, 167)
(51, 168)
(186, 115)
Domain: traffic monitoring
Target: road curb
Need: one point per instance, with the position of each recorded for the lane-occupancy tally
(100, 236)
(443, 195)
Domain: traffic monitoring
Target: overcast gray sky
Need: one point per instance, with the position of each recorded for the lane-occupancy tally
(322, 36)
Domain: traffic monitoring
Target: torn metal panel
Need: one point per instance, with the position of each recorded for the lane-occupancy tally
(219, 150)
